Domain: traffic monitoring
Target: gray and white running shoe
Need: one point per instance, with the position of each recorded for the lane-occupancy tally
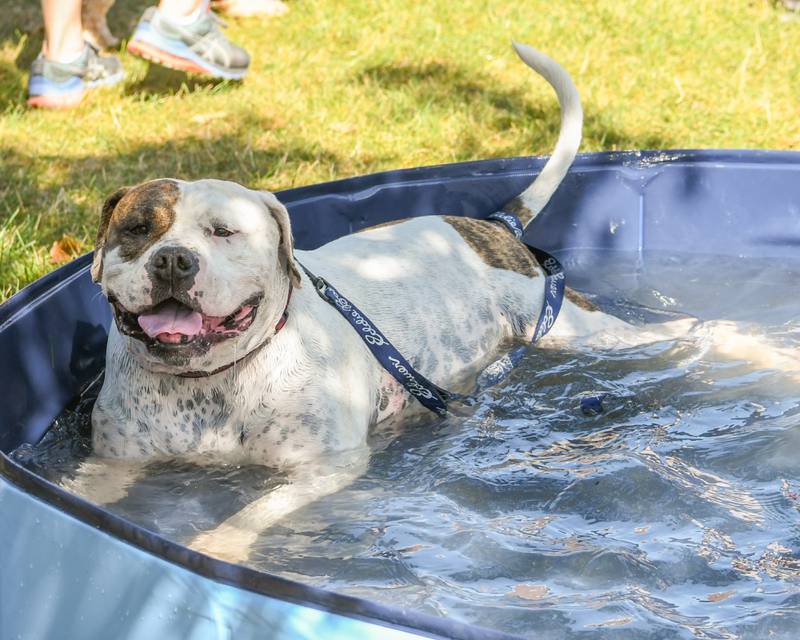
(58, 85)
(199, 47)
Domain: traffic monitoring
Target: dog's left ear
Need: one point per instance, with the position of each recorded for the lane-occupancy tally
(281, 216)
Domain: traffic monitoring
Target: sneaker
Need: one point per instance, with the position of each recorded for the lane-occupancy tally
(200, 47)
(59, 85)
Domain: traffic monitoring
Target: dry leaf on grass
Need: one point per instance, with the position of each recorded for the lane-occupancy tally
(202, 118)
(64, 249)
(342, 127)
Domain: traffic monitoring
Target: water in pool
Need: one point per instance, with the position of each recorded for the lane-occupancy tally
(673, 514)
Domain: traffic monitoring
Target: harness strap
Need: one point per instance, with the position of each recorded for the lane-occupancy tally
(555, 280)
(429, 394)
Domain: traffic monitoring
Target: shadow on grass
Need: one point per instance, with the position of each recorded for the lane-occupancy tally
(12, 87)
(45, 196)
(19, 17)
(437, 83)
(65, 191)
(31, 46)
(160, 81)
(56, 194)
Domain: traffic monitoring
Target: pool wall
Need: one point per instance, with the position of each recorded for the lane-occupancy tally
(69, 569)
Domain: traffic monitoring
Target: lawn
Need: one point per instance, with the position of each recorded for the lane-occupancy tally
(338, 89)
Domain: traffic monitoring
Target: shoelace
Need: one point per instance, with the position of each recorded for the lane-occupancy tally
(94, 64)
(214, 32)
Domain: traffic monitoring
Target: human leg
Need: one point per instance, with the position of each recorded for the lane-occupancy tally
(67, 66)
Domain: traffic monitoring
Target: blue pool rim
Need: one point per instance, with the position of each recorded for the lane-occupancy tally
(599, 186)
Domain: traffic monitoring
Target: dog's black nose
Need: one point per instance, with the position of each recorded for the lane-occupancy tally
(174, 266)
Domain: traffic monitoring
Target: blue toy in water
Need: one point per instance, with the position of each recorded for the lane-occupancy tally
(69, 569)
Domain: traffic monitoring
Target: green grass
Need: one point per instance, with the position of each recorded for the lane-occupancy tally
(339, 89)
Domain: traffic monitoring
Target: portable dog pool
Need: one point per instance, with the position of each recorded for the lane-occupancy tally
(727, 225)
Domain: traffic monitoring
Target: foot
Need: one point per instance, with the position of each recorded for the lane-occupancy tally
(60, 85)
(199, 47)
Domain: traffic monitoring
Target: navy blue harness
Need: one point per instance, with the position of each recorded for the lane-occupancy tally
(429, 394)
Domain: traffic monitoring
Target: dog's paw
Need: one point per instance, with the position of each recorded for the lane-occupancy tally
(103, 481)
(225, 542)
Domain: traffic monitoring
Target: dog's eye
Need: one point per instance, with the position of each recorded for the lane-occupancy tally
(222, 232)
(138, 230)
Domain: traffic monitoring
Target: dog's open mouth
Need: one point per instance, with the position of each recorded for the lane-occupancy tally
(173, 323)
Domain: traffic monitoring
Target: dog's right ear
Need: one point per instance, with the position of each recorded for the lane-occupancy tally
(102, 232)
(281, 216)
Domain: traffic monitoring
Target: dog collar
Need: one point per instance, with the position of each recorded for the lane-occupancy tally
(280, 324)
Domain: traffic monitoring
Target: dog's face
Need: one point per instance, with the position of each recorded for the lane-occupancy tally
(197, 273)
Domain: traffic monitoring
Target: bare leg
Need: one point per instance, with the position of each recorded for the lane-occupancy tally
(177, 9)
(63, 31)
(232, 539)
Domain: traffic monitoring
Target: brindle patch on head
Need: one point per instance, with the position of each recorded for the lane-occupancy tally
(496, 246)
(134, 219)
(579, 300)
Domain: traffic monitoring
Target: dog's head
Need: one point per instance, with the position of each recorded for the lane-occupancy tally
(197, 273)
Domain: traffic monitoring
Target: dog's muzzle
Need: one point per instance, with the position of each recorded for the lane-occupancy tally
(172, 323)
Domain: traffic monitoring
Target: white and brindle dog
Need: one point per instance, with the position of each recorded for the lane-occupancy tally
(221, 345)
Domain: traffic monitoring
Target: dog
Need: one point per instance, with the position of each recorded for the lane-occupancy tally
(221, 346)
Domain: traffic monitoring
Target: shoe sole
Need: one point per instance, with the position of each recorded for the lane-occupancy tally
(69, 99)
(149, 45)
(63, 101)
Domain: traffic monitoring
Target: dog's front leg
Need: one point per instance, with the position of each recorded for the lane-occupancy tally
(233, 538)
(103, 480)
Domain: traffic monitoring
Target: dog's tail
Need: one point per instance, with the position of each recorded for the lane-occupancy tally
(530, 202)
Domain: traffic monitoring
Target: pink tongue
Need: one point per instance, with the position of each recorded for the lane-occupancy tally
(172, 318)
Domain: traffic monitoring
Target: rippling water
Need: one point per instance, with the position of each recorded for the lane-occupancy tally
(674, 514)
